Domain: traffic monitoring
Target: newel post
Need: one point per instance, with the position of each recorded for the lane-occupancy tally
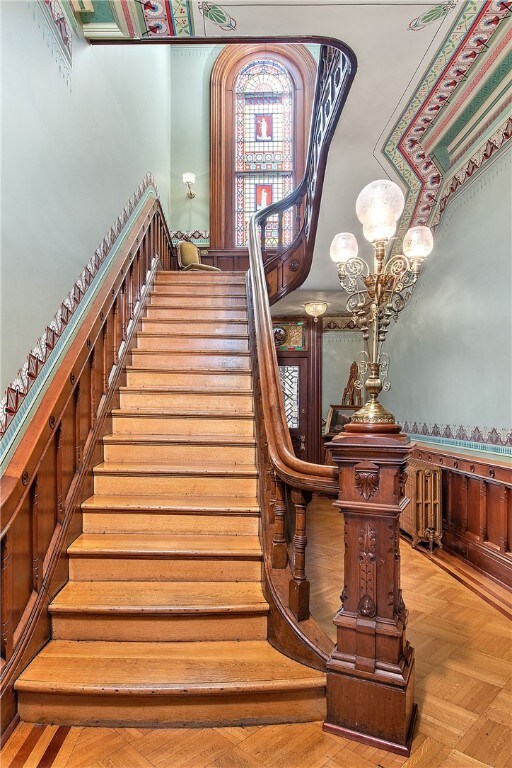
(370, 675)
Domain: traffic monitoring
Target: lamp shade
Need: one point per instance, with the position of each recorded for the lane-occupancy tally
(315, 308)
(189, 178)
(418, 242)
(344, 246)
(381, 225)
(378, 204)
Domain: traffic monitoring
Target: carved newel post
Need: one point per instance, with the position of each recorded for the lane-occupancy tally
(370, 677)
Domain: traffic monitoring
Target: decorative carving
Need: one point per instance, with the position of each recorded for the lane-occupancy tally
(400, 481)
(294, 265)
(367, 479)
(367, 571)
(279, 336)
(351, 393)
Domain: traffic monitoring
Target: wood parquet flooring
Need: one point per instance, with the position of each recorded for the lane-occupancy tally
(463, 689)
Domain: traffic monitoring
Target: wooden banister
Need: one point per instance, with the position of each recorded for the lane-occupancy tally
(50, 472)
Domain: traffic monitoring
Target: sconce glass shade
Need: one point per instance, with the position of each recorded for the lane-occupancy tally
(379, 203)
(189, 178)
(344, 246)
(381, 225)
(418, 243)
(315, 308)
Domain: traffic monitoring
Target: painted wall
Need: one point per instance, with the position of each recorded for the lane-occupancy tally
(339, 350)
(71, 159)
(451, 348)
(190, 115)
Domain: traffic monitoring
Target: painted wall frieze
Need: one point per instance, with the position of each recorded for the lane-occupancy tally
(37, 359)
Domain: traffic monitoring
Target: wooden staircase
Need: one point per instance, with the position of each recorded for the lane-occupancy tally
(163, 620)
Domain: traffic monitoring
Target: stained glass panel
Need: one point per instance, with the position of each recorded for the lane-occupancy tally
(289, 378)
(264, 150)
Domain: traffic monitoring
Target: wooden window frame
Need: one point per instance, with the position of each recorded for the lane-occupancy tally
(303, 68)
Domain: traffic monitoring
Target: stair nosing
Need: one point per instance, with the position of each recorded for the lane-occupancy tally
(169, 413)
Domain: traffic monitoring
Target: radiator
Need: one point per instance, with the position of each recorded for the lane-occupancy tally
(422, 518)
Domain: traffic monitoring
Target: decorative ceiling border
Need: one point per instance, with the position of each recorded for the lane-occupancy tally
(16, 402)
(428, 187)
(52, 20)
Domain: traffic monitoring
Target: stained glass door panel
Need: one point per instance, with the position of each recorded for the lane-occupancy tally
(289, 376)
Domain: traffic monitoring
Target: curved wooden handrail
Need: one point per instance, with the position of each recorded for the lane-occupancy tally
(336, 73)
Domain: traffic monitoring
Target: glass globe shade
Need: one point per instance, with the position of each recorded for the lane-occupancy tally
(418, 242)
(189, 178)
(375, 197)
(344, 246)
(315, 308)
(382, 224)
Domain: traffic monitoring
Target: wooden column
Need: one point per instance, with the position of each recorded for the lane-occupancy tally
(370, 678)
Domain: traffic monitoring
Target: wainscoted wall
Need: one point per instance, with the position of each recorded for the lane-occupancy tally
(72, 154)
(339, 350)
(451, 348)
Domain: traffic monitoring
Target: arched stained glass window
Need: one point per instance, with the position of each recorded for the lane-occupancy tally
(264, 144)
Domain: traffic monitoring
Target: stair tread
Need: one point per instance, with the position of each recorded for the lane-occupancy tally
(216, 336)
(168, 503)
(202, 371)
(224, 440)
(164, 668)
(159, 597)
(180, 412)
(187, 390)
(159, 544)
(192, 352)
(203, 468)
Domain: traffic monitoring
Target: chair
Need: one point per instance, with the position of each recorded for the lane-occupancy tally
(190, 260)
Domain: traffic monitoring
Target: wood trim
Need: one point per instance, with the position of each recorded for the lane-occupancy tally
(303, 69)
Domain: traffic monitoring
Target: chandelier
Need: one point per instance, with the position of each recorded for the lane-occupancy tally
(375, 298)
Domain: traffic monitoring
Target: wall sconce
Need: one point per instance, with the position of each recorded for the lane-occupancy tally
(315, 309)
(189, 179)
(374, 298)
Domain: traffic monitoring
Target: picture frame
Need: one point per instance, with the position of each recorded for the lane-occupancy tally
(337, 417)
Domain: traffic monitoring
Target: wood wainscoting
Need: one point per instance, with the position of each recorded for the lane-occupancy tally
(477, 507)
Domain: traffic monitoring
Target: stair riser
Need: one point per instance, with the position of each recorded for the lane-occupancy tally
(200, 278)
(213, 289)
(196, 486)
(183, 401)
(182, 361)
(198, 328)
(172, 454)
(210, 382)
(218, 302)
(169, 569)
(199, 313)
(168, 628)
(192, 344)
(175, 524)
(173, 711)
(158, 425)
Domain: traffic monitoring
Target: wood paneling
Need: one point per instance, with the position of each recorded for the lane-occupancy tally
(50, 471)
(477, 508)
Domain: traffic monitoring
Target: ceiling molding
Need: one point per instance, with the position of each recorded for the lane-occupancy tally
(469, 57)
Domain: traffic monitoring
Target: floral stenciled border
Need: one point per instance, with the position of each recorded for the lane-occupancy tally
(53, 23)
(200, 237)
(428, 189)
(37, 358)
(489, 438)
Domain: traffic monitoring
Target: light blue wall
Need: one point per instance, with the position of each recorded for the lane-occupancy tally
(339, 350)
(190, 121)
(451, 348)
(71, 159)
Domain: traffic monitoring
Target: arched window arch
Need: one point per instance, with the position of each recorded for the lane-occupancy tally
(261, 97)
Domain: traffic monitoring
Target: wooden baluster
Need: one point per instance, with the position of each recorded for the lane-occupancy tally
(58, 475)
(105, 369)
(299, 585)
(130, 293)
(78, 431)
(37, 575)
(279, 231)
(6, 607)
(138, 275)
(123, 300)
(271, 491)
(279, 549)
(115, 332)
(92, 378)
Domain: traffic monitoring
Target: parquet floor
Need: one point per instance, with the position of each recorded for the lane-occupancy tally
(463, 689)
